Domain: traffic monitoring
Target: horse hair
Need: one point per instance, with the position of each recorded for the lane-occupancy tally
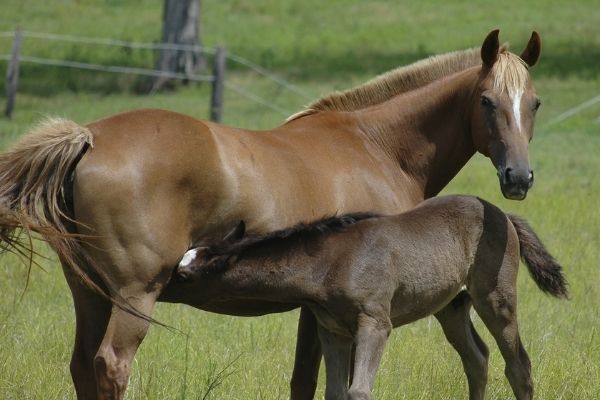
(299, 231)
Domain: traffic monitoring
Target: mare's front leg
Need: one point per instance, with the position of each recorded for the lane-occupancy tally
(460, 332)
(370, 342)
(308, 358)
(336, 352)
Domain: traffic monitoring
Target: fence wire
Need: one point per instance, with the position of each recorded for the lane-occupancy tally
(162, 46)
(110, 68)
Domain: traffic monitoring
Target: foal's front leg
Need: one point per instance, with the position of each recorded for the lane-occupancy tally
(460, 332)
(370, 342)
(336, 352)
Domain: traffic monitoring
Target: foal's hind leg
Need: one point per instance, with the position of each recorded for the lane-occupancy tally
(494, 295)
(498, 312)
(461, 334)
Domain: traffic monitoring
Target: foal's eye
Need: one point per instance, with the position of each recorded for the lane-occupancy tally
(536, 105)
(487, 102)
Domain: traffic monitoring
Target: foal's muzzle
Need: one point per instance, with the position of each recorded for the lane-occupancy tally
(515, 182)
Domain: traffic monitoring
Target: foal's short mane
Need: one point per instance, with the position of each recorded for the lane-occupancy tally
(298, 231)
(394, 82)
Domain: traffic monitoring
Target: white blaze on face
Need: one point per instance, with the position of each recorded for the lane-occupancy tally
(516, 103)
(188, 257)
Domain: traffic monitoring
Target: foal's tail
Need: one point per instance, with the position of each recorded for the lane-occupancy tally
(35, 193)
(544, 269)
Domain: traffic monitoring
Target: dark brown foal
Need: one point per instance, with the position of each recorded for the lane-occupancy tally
(361, 275)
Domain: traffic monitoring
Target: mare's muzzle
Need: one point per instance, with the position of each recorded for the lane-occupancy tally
(515, 182)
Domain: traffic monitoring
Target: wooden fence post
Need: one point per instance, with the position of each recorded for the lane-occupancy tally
(216, 100)
(12, 75)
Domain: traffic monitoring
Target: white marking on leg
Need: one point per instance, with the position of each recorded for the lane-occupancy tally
(188, 257)
(516, 100)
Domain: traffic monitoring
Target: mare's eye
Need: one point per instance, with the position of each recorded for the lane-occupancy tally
(487, 102)
(537, 104)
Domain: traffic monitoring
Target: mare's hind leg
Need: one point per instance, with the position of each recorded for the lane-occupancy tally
(123, 336)
(91, 318)
(461, 334)
(308, 358)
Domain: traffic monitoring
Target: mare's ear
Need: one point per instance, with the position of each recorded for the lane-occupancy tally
(236, 234)
(490, 48)
(531, 54)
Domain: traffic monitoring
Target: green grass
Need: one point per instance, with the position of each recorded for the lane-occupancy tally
(321, 46)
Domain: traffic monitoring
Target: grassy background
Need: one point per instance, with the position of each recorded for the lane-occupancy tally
(320, 46)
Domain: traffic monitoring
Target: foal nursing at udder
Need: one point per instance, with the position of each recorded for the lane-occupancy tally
(122, 198)
(363, 274)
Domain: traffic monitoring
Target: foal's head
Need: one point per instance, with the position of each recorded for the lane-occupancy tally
(504, 113)
(207, 260)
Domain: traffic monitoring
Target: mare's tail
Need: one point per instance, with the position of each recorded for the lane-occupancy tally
(544, 269)
(33, 196)
(36, 176)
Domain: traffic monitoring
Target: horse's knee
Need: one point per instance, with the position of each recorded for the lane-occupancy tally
(358, 394)
(112, 375)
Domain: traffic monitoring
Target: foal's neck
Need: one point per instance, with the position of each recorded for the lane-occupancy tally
(287, 274)
(426, 131)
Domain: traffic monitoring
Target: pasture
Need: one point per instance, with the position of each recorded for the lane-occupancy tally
(320, 47)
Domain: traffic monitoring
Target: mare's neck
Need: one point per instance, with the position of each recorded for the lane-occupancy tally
(426, 131)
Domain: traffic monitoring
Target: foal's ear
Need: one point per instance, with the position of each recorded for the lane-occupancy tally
(236, 234)
(490, 48)
(531, 54)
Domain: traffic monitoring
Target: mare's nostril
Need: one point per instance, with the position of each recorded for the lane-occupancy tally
(531, 178)
(507, 175)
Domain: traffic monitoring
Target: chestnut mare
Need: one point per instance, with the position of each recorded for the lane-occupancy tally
(361, 275)
(142, 186)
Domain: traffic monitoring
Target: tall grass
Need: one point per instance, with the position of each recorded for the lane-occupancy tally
(322, 46)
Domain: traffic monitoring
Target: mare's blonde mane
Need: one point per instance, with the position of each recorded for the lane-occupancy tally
(508, 73)
(394, 82)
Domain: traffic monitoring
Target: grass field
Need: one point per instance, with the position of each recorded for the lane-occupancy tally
(321, 46)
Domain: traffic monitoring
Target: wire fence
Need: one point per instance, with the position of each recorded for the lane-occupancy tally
(154, 72)
(110, 68)
(574, 111)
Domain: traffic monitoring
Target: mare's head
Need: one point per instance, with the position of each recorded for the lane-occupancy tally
(504, 112)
